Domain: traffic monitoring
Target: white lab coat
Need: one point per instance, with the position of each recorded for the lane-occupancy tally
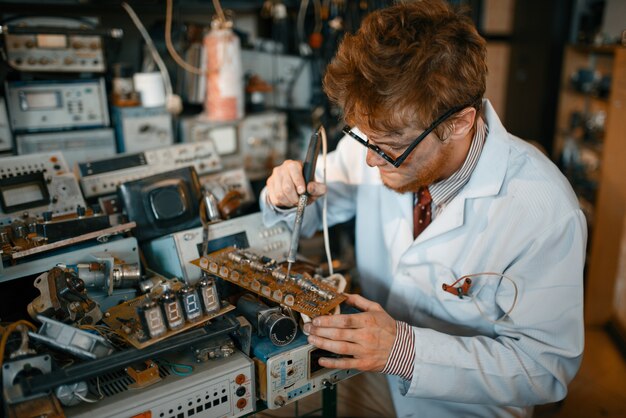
(518, 216)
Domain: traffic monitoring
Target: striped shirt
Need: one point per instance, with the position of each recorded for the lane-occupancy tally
(445, 190)
(402, 356)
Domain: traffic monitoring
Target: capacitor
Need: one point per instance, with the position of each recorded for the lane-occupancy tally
(257, 265)
(208, 295)
(126, 275)
(270, 322)
(172, 310)
(191, 303)
(21, 231)
(236, 257)
(97, 275)
(145, 286)
(279, 275)
(151, 318)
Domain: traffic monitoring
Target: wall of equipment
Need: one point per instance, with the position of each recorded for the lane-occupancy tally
(136, 274)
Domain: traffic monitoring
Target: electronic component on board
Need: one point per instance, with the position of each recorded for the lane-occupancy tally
(265, 277)
(208, 293)
(107, 273)
(172, 255)
(18, 236)
(132, 319)
(172, 310)
(152, 320)
(191, 303)
(269, 322)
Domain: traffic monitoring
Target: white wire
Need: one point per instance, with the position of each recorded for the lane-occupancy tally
(79, 396)
(153, 51)
(474, 296)
(322, 132)
(100, 394)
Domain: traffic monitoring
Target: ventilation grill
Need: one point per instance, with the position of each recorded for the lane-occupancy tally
(117, 382)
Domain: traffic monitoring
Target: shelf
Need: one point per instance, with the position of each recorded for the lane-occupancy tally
(609, 230)
(585, 95)
(596, 49)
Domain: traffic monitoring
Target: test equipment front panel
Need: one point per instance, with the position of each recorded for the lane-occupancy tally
(56, 105)
(216, 388)
(77, 146)
(37, 183)
(54, 44)
(102, 176)
(172, 254)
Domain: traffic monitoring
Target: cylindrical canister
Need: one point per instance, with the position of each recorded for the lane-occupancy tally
(224, 100)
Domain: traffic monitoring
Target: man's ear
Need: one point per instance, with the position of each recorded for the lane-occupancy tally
(464, 122)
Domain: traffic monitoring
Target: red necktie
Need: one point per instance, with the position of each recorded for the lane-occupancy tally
(421, 211)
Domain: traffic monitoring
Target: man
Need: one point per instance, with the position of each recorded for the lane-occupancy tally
(441, 192)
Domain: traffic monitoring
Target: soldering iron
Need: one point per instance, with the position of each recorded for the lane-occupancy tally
(308, 172)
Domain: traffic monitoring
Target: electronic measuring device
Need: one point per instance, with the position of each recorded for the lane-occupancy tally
(172, 254)
(101, 177)
(223, 182)
(289, 373)
(55, 44)
(35, 184)
(259, 141)
(223, 387)
(291, 77)
(77, 146)
(142, 128)
(44, 105)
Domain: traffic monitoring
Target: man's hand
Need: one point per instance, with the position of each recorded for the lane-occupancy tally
(367, 337)
(286, 184)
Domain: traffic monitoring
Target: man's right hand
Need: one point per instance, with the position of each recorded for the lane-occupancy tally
(286, 184)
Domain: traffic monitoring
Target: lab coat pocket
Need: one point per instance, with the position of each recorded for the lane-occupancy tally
(415, 288)
(475, 304)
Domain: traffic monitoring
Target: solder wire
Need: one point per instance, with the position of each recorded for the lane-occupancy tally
(322, 132)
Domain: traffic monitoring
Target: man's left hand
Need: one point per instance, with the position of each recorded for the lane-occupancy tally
(365, 338)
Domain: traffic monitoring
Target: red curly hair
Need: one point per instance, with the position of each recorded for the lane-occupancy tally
(407, 65)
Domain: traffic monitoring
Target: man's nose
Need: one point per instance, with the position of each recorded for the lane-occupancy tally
(373, 159)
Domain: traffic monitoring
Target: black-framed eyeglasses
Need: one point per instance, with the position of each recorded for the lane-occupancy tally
(397, 161)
